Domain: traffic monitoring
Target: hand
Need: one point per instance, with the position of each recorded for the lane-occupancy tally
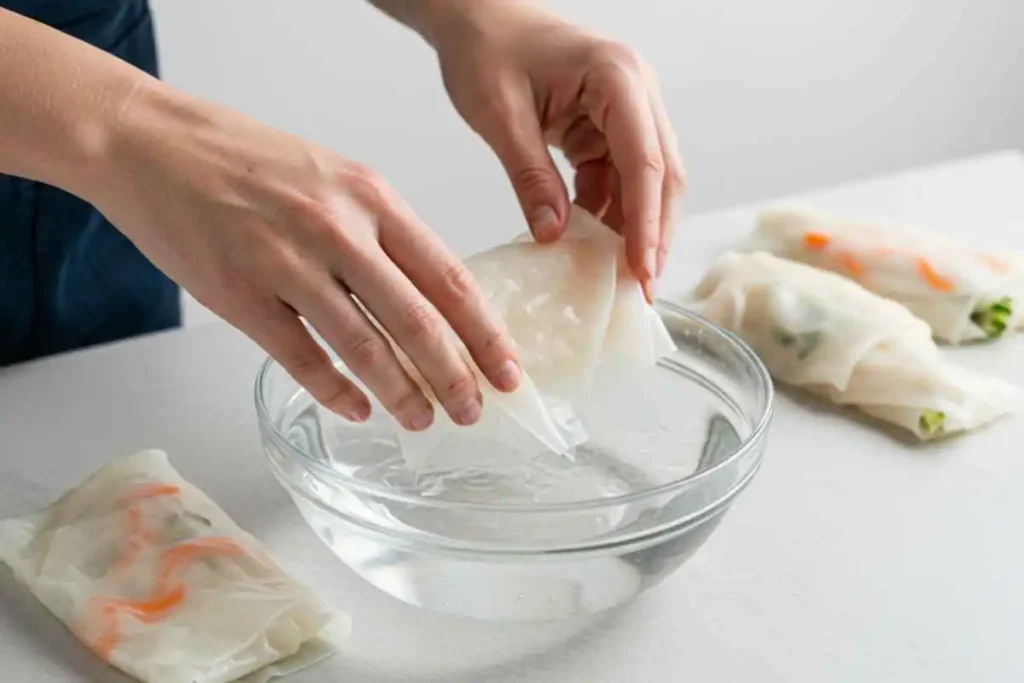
(523, 78)
(262, 227)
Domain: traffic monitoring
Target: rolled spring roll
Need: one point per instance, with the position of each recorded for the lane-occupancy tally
(821, 332)
(963, 294)
(159, 582)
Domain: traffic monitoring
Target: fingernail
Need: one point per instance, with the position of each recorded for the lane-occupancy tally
(468, 414)
(508, 376)
(420, 419)
(651, 262)
(544, 223)
(359, 412)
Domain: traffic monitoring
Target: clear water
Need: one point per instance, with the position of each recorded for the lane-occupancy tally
(663, 429)
(658, 431)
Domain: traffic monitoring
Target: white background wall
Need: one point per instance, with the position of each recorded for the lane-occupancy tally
(768, 96)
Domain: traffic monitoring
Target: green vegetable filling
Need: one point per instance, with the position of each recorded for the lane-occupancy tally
(932, 422)
(993, 318)
(804, 343)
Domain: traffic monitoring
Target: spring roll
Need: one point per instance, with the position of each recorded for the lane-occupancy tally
(962, 293)
(159, 582)
(819, 331)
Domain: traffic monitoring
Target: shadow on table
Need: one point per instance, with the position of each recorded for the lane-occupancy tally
(32, 629)
(549, 647)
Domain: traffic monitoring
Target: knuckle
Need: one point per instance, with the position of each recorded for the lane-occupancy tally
(677, 177)
(408, 400)
(459, 281)
(339, 394)
(422, 324)
(369, 353)
(365, 184)
(531, 178)
(652, 162)
(305, 365)
(317, 220)
(496, 340)
(620, 57)
(493, 348)
(461, 390)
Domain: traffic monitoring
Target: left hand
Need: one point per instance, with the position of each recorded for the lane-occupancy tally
(523, 78)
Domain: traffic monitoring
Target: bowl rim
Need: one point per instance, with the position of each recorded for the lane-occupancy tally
(765, 389)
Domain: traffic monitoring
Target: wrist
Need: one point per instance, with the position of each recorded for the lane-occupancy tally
(437, 21)
(153, 126)
(90, 158)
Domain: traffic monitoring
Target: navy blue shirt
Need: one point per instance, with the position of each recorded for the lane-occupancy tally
(68, 278)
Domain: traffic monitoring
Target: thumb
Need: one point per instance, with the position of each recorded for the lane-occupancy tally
(520, 146)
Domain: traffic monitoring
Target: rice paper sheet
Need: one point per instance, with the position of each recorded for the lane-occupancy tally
(581, 324)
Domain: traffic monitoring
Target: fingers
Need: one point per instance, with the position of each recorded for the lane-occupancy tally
(613, 217)
(282, 335)
(616, 99)
(446, 282)
(416, 326)
(587, 150)
(583, 142)
(517, 139)
(594, 186)
(359, 343)
(675, 178)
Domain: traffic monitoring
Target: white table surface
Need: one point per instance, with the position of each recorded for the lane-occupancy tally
(851, 558)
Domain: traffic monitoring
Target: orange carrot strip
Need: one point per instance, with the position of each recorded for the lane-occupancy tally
(139, 537)
(155, 608)
(932, 277)
(148, 611)
(169, 594)
(181, 556)
(851, 264)
(816, 240)
(995, 263)
(151, 491)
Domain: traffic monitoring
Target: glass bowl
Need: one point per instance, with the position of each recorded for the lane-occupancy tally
(536, 538)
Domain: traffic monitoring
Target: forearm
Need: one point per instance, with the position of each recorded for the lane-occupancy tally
(60, 100)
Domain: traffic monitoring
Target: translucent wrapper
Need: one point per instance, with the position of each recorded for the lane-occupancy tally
(963, 294)
(581, 324)
(816, 330)
(158, 581)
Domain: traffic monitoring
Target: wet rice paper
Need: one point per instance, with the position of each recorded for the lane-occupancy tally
(158, 581)
(581, 324)
(963, 294)
(819, 331)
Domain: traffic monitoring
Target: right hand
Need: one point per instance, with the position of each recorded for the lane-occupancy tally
(263, 227)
